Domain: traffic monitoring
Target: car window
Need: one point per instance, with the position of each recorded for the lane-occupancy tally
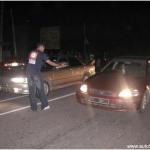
(127, 68)
(62, 60)
(54, 59)
(73, 62)
(46, 67)
(110, 67)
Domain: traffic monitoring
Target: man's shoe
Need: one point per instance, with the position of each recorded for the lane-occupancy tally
(46, 108)
(34, 110)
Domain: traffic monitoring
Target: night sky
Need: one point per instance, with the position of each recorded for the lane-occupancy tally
(76, 12)
(110, 25)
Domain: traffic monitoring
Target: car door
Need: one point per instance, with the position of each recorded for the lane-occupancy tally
(62, 76)
(47, 73)
(77, 69)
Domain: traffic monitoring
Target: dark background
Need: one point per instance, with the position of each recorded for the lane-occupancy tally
(121, 28)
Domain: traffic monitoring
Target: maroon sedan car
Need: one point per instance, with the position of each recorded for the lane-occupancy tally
(122, 85)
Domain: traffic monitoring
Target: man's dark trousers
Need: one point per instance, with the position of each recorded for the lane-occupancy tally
(36, 87)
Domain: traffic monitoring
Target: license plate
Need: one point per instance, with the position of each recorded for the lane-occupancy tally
(98, 100)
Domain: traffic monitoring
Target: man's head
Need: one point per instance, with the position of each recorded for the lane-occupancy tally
(40, 47)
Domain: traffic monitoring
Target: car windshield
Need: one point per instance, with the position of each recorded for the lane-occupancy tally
(135, 68)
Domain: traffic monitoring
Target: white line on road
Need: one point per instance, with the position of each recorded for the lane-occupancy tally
(17, 97)
(9, 99)
(22, 108)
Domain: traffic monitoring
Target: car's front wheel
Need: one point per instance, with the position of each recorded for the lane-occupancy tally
(46, 88)
(144, 102)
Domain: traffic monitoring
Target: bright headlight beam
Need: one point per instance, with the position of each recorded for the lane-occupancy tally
(14, 64)
(19, 80)
(84, 88)
(127, 93)
(92, 70)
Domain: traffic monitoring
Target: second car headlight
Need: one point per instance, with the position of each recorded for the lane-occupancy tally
(84, 88)
(127, 93)
(19, 80)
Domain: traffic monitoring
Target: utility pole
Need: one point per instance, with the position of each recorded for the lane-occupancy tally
(1, 31)
(13, 32)
(85, 43)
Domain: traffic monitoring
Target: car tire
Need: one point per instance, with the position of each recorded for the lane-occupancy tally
(144, 102)
(46, 88)
(85, 77)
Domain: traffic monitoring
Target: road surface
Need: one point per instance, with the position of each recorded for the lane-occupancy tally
(68, 124)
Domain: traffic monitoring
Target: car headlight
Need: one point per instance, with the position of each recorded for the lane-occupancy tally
(127, 93)
(92, 70)
(84, 88)
(19, 80)
(14, 64)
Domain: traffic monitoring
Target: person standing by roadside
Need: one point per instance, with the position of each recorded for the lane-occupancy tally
(35, 84)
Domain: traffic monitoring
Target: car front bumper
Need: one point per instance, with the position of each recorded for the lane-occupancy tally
(15, 88)
(109, 103)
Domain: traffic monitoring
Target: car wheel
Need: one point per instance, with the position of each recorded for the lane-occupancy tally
(85, 77)
(46, 88)
(144, 102)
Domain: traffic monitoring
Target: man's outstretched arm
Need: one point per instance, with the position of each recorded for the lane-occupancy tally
(52, 63)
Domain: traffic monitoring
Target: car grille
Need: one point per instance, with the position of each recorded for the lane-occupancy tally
(97, 92)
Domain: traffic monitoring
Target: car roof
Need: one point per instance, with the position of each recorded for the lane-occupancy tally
(132, 58)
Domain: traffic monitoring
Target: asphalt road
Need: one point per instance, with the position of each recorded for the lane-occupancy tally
(68, 124)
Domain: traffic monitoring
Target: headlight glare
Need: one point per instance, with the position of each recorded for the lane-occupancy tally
(84, 88)
(127, 93)
(19, 80)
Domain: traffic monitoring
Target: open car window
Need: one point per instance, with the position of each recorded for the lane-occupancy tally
(46, 67)
(73, 62)
(62, 60)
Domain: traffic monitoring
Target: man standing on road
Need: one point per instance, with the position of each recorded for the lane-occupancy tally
(35, 84)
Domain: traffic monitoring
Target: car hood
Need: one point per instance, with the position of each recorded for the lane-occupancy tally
(115, 82)
(13, 74)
